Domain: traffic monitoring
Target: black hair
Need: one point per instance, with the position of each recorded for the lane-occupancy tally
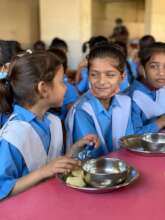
(4, 52)
(61, 55)
(93, 41)
(14, 48)
(110, 50)
(24, 75)
(146, 53)
(146, 41)
(59, 43)
(39, 46)
(119, 20)
(123, 47)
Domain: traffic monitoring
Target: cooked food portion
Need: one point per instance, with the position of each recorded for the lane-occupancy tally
(78, 173)
(76, 178)
(75, 181)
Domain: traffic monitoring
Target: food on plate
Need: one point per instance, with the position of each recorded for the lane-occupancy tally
(75, 181)
(76, 178)
(78, 172)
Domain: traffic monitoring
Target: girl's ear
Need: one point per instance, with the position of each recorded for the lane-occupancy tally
(42, 89)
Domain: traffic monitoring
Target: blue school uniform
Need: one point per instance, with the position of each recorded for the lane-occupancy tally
(134, 68)
(128, 79)
(12, 163)
(71, 94)
(70, 97)
(141, 123)
(3, 118)
(84, 124)
(83, 85)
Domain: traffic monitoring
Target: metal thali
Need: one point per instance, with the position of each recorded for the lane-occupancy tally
(148, 144)
(132, 176)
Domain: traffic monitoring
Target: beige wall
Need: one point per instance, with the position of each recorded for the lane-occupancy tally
(19, 21)
(98, 17)
(69, 20)
(105, 13)
(77, 20)
(155, 18)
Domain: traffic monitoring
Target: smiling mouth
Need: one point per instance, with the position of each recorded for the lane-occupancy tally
(160, 80)
(101, 88)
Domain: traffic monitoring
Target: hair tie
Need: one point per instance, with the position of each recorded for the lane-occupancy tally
(29, 51)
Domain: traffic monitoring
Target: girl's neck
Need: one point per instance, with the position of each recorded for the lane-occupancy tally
(145, 82)
(38, 110)
(106, 103)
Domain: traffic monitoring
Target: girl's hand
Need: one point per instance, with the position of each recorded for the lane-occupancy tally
(81, 65)
(85, 140)
(62, 164)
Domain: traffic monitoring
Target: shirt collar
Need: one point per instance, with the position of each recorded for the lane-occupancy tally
(26, 114)
(142, 87)
(97, 104)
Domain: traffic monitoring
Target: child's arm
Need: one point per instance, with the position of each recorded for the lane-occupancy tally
(59, 165)
(84, 125)
(138, 124)
(81, 65)
(76, 147)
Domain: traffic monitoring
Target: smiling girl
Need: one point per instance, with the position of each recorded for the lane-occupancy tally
(101, 110)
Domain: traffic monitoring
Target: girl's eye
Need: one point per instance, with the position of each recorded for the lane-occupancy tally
(111, 75)
(93, 74)
(154, 66)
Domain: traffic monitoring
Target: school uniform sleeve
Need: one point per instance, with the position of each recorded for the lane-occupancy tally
(139, 126)
(83, 125)
(3, 118)
(71, 94)
(83, 86)
(11, 168)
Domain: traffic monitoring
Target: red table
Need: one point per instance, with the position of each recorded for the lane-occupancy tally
(51, 200)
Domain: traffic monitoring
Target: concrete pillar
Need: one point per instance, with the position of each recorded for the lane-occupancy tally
(69, 20)
(155, 19)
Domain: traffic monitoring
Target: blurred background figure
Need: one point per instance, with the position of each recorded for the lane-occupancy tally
(39, 46)
(146, 41)
(120, 32)
(14, 48)
(58, 43)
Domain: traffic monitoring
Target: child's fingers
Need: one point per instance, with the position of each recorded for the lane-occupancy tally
(69, 160)
(65, 166)
(92, 138)
(87, 139)
(62, 170)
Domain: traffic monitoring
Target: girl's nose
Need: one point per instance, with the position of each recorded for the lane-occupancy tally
(102, 80)
(162, 71)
